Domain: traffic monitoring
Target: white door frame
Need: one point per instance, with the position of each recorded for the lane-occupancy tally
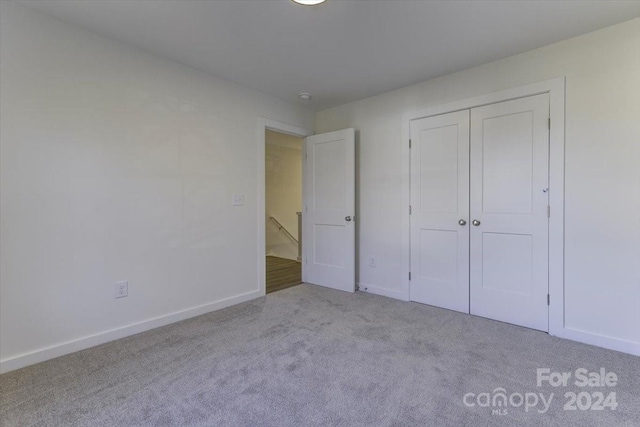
(262, 126)
(556, 90)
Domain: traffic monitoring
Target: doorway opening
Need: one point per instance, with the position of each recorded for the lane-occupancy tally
(283, 210)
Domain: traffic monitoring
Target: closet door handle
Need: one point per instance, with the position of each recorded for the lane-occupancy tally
(475, 222)
(462, 222)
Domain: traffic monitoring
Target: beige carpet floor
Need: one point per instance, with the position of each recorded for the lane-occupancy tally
(310, 356)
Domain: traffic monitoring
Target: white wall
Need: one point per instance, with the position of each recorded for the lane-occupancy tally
(602, 173)
(283, 192)
(118, 165)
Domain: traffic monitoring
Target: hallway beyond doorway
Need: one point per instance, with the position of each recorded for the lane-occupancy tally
(282, 273)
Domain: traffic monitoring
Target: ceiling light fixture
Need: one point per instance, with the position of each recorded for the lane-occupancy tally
(309, 2)
(305, 95)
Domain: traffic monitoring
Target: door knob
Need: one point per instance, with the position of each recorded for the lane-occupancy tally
(475, 222)
(462, 222)
(347, 218)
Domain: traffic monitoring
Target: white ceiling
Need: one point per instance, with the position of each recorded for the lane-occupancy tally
(340, 51)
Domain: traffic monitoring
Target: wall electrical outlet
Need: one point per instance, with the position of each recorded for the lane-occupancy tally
(237, 200)
(122, 289)
(372, 261)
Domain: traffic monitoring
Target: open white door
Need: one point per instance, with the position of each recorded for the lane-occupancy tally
(329, 212)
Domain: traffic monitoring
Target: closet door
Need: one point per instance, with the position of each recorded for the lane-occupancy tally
(509, 217)
(440, 211)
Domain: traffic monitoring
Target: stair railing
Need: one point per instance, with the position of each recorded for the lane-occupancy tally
(283, 229)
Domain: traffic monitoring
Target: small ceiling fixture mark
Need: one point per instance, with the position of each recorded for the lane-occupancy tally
(309, 2)
(304, 95)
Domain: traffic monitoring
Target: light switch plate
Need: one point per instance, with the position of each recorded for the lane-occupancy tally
(237, 200)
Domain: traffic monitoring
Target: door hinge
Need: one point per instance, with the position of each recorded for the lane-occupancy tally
(410, 210)
(548, 299)
(549, 123)
(409, 275)
(548, 211)
(409, 143)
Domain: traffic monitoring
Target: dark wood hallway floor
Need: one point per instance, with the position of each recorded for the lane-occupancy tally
(282, 273)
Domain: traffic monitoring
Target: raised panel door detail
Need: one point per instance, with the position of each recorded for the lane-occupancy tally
(506, 263)
(439, 169)
(326, 251)
(329, 192)
(507, 157)
(439, 256)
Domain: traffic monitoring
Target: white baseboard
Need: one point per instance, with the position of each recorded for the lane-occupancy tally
(623, 346)
(610, 343)
(37, 356)
(363, 287)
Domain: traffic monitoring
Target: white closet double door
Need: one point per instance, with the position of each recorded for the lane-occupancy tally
(479, 202)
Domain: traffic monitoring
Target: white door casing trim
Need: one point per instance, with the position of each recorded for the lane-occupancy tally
(262, 125)
(556, 90)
